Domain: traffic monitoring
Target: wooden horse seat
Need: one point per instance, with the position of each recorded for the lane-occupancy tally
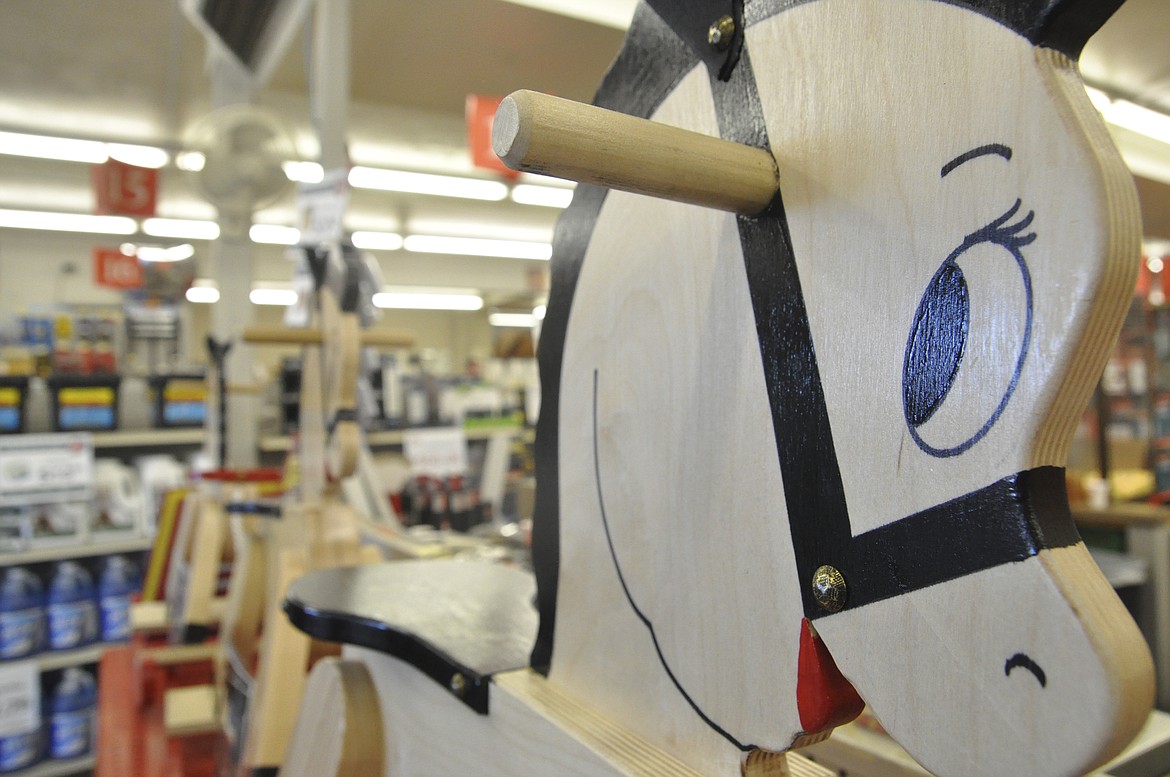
(459, 622)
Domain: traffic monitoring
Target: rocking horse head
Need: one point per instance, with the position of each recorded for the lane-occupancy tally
(815, 450)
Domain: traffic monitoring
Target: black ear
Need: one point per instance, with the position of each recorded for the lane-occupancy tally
(697, 24)
(1067, 25)
(1064, 25)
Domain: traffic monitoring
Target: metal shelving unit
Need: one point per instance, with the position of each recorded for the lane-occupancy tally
(51, 768)
(148, 438)
(61, 552)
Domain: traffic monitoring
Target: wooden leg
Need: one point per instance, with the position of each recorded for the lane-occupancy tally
(245, 606)
(206, 553)
(284, 654)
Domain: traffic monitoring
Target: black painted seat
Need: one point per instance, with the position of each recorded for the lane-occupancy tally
(459, 622)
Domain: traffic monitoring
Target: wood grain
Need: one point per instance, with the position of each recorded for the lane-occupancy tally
(538, 133)
(674, 538)
(533, 729)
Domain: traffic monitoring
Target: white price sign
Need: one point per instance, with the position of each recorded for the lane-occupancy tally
(20, 698)
(45, 467)
(436, 452)
(321, 207)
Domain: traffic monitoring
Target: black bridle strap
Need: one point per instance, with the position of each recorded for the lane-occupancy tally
(1007, 521)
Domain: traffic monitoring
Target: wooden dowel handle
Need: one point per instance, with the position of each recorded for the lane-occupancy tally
(280, 335)
(536, 133)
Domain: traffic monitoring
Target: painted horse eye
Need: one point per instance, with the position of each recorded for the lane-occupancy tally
(971, 329)
(936, 344)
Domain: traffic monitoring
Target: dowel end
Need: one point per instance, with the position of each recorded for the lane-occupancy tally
(510, 134)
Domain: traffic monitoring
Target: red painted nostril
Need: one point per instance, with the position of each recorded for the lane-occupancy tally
(824, 698)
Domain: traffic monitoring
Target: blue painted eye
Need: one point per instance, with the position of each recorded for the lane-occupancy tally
(947, 329)
(936, 344)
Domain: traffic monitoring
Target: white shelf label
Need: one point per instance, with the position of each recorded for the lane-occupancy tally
(20, 698)
(46, 468)
(436, 452)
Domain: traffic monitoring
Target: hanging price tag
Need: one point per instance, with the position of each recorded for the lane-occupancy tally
(321, 208)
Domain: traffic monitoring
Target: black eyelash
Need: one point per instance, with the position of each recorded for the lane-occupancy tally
(1000, 232)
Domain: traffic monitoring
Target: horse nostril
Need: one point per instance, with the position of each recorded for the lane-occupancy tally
(1022, 660)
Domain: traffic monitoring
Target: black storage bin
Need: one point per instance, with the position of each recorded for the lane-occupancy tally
(84, 403)
(180, 400)
(13, 395)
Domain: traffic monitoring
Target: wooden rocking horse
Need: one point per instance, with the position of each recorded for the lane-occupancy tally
(806, 410)
(310, 529)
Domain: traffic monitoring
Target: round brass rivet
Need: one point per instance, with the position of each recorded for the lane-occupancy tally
(458, 684)
(828, 586)
(720, 33)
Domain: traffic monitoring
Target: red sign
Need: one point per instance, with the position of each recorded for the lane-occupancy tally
(125, 189)
(114, 269)
(481, 112)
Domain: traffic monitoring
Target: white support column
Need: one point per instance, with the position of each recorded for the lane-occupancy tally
(231, 266)
(329, 83)
(329, 106)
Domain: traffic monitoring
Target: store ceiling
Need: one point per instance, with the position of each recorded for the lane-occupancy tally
(140, 57)
(134, 70)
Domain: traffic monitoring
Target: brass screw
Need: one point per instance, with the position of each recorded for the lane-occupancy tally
(828, 586)
(458, 684)
(720, 33)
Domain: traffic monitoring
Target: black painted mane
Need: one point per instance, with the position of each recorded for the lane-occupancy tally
(1064, 25)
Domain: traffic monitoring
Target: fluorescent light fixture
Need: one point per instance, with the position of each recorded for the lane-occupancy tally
(181, 229)
(165, 253)
(426, 183)
(304, 172)
(377, 241)
(546, 196)
(1136, 118)
(526, 320)
(92, 152)
(475, 246)
(427, 300)
(140, 156)
(1155, 264)
(44, 147)
(191, 161)
(274, 234)
(539, 312)
(611, 13)
(269, 296)
(67, 222)
(203, 291)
